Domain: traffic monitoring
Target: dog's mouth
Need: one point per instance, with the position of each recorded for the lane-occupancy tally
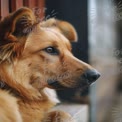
(54, 84)
(84, 80)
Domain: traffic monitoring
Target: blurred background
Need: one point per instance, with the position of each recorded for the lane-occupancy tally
(99, 27)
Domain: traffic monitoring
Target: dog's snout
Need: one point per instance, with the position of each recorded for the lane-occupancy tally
(91, 75)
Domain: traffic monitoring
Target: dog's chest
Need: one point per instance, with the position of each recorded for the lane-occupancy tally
(34, 111)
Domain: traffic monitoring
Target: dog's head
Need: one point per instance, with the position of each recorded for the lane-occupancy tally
(37, 55)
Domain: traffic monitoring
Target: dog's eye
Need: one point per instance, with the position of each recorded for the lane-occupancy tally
(52, 50)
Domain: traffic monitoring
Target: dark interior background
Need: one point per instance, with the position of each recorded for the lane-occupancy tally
(119, 39)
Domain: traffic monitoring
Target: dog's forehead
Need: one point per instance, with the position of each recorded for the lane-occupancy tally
(55, 34)
(57, 37)
(51, 35)
(44, 37)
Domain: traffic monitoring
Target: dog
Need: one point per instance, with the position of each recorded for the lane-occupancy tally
(34, 58)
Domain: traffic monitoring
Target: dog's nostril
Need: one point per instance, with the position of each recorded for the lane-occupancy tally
(91, 75)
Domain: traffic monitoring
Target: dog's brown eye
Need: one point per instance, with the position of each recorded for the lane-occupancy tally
(52, 50)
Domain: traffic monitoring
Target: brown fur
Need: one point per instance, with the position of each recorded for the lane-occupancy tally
(25, 66)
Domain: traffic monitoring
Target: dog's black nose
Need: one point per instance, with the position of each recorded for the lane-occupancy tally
(91, 75)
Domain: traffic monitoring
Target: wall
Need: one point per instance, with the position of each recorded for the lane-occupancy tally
(8, 6)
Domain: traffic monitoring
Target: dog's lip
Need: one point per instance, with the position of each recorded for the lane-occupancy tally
(55, 84)
(50, 81)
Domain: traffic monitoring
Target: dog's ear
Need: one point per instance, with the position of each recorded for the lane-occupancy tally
(65, 28)
(16, 23)
(13, 31)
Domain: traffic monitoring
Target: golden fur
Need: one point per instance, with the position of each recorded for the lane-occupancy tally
(26, 67)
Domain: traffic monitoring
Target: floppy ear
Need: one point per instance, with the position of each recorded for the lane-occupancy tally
(15, 23)
(65, 28)
(12, 29)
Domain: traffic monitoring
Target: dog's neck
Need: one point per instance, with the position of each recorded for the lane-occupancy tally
(23, 92)
(17, 94)
(5, 86)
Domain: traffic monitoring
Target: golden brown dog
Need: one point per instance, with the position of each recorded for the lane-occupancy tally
(34, 56)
